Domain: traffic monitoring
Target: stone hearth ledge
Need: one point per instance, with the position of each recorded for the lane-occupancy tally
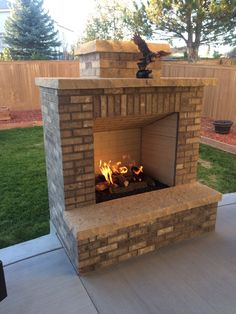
(106, 217)
(91, 83)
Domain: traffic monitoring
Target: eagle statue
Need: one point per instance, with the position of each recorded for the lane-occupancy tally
(148, 57)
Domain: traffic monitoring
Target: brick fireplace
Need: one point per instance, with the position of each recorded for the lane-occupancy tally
(155, 121)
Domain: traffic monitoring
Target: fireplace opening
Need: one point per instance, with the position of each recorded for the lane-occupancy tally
(133, 156)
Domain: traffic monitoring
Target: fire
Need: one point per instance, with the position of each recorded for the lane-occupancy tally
(106, 171)
(137, 170)
(119, 169)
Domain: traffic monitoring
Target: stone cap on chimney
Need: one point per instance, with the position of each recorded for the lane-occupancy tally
(91, 83)
(116, 46)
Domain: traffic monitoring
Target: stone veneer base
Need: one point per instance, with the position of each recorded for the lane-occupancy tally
(136, 225)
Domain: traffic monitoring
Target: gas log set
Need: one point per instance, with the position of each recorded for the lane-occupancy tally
(117, 180)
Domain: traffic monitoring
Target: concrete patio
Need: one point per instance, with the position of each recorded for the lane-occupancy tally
(196, 276)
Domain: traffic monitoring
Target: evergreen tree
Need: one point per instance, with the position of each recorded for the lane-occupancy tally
(30, 32)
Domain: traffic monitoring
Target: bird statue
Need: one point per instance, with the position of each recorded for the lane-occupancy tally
(148, 57)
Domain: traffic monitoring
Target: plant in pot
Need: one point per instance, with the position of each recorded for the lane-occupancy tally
(222, 126)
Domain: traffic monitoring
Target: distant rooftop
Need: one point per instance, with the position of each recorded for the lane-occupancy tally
(4, 5)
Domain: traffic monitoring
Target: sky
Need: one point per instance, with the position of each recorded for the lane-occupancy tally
(73, 14)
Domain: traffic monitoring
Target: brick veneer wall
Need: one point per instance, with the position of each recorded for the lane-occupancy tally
(105, 250)
(114, 59)
(77, 110)
(113, 64)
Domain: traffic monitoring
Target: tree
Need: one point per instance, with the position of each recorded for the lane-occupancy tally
(117, 20)
(5, 55)
(196, 22)
(216, 54)
(30, 32)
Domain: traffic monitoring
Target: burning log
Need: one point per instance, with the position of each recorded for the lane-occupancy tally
(120, 180)
(102, 186)
(137, 173)
(130, 188)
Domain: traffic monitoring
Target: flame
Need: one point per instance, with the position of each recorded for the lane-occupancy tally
(106, 171)
(119, 169)
(138, 171)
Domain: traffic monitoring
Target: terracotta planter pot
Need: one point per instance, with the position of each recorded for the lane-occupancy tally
(222, 126)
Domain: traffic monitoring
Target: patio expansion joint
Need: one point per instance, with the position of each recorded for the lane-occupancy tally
(32, 256)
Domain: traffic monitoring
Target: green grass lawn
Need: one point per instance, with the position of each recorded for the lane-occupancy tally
(217, 169)
(23, 186)
(24, 211)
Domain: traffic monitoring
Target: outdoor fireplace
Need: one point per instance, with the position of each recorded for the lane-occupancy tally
(143, 134)
(151, 125)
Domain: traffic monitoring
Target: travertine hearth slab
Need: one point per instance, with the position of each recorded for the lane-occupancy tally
(103, 218)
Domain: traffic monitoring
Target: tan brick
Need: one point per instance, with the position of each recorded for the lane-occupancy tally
(137, 246)
(88, 123)
(192, 140)
(179, 166)
(165, 230)
(83, 147)
(208, 223)
(137, 232)
(66, 133)
(87, 107)
(118, 238)
(193, 127)
(65, 117)
(67, 149)
(111, 106)
(213, 217)
(195, 101)
(193, 114)
(89, 261)
(103, 106)
(127, 256)
(108, 262)
(147, 249)
(83, 256)
(82, 132)
(72, 156)
(107, 248)
(118, 252)
(71, 141)
(123, 105)
(81, 99)
(84, 177)
(68, 165)
(81, 115)
(177, 102)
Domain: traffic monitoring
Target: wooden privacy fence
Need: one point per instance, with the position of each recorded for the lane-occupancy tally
(17, 81)
(219, 101)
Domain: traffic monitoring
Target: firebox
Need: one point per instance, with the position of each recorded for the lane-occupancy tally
(106, 142)
(134, 155)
